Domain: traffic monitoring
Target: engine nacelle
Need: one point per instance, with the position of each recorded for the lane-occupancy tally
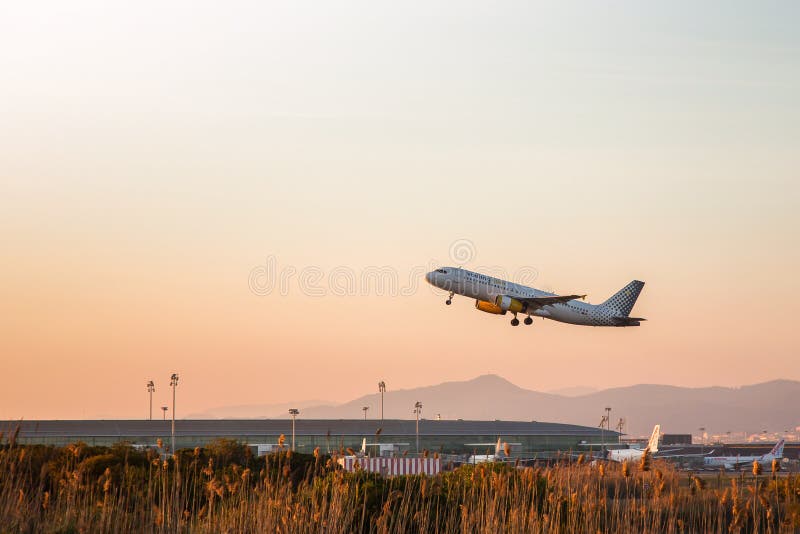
(506, 303)
(489, 307)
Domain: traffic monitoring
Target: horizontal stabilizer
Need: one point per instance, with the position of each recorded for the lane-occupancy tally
(627, 321)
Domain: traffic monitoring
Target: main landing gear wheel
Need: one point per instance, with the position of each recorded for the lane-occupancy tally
(514, 321)
(449, 300)
(528, 320)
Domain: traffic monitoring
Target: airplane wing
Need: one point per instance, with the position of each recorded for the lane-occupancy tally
(540, 302)
(744, 463)
(735, 465)
(689, 455)
(490, 444)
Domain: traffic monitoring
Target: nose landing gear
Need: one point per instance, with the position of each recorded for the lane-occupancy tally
(449, 300)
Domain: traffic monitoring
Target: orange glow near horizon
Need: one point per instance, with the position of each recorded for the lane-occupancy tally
(150, 167)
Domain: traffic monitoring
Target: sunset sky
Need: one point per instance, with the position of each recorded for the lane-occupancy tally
(156, 159)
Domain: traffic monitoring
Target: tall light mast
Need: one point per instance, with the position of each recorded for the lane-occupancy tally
(294, 412)
(417, 411)
(173, 381)
(151, 387)
(382, 390)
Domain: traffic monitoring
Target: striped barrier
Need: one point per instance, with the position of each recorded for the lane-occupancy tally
(392, 466)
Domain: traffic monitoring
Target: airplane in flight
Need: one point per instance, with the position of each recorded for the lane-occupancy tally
(620, 455)
(497, 296)
(734, 462)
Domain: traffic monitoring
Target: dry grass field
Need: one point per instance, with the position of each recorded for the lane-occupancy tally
(222, 488)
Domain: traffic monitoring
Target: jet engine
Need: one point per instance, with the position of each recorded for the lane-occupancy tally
(489, 307)
(506, 303)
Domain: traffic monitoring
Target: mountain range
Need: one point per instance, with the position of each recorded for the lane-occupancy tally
(765, 406)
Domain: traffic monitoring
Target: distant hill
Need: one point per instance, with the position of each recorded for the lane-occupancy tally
(767, 406)
(484, 398)
(573, 391)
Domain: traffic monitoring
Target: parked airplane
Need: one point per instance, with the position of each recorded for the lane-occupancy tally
(384, 449)
(496, 296)
(733, 462)
(499, 452)
(620, 455)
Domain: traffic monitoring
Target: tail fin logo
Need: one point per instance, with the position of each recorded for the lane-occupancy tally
(777, 450)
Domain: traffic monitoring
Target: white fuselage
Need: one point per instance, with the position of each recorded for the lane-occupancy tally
(731, 462)
(621, 455)
(487, 288)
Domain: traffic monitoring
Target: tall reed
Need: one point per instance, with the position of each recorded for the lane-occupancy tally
(223, 488)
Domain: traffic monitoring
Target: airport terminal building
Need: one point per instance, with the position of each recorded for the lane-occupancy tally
(457, 437)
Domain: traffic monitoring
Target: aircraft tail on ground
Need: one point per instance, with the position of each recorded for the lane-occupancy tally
(623, 300)
(652, 445)
(777, 450)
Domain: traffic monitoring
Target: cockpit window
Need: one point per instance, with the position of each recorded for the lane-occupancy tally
(441, 271)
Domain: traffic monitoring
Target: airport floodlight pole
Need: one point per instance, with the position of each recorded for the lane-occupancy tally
(417, 411)
(173, 381)
(365, 408)
(608, 418)
(151, 387)
(602, 426)
(164, 409)
(382, 389)
(294, 412)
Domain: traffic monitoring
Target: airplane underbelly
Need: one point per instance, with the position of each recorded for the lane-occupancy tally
(564, 315)
(466, 289)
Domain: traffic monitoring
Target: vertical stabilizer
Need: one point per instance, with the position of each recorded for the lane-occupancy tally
(623, 300)
(652, 445)
(777, 450)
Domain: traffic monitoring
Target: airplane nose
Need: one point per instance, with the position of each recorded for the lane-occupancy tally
(429, 277)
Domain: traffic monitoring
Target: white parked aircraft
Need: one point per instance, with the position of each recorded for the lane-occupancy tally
(732, 462)
(620, 455)
(493, 295)
(499, 452)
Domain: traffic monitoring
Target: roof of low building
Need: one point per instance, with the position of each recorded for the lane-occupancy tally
(303, 427)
